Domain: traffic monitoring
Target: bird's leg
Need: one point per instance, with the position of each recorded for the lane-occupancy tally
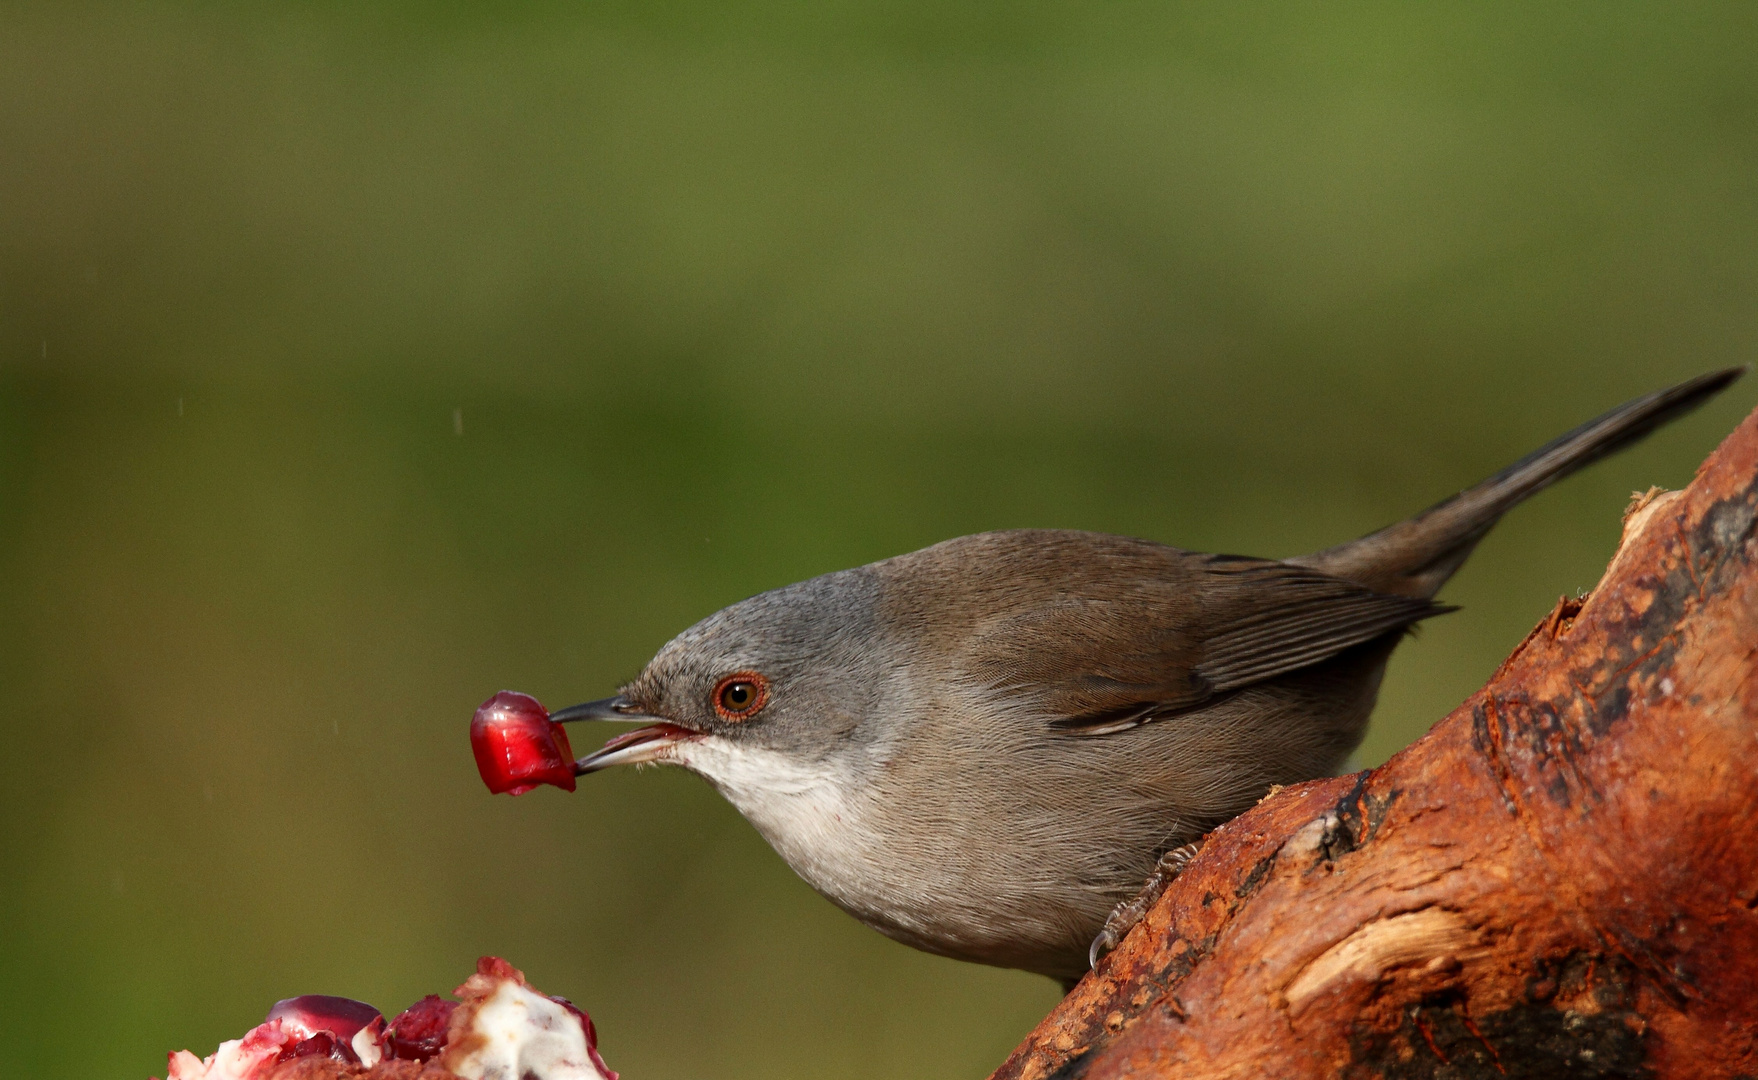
(1124, 916)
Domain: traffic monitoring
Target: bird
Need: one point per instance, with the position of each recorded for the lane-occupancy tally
(985, 748)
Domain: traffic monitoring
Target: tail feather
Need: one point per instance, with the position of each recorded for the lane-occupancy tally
(1415, 557)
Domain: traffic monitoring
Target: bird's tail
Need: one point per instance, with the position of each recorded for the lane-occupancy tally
(1415, 557)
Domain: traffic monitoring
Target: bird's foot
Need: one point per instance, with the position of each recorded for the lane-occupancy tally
(1124, 916)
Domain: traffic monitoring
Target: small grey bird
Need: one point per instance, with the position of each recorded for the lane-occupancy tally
(984, 747)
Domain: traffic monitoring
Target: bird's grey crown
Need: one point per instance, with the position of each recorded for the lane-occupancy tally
(812, 641)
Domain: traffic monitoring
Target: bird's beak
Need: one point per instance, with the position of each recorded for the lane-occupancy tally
(655, 742)
(610, 708)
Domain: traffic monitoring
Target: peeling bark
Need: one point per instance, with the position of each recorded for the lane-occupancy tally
(1559, 880)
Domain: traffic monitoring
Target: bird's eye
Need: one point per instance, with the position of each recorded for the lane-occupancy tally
(738, 696)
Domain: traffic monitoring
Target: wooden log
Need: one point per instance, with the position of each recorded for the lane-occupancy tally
(1559, 880)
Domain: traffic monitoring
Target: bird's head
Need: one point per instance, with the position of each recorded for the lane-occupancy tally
(766, 694)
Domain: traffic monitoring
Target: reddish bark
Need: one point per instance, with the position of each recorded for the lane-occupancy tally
(1560, 879)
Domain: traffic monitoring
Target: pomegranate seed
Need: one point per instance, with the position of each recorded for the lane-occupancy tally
(306, 1016)
(419, 1032)
(518, 747)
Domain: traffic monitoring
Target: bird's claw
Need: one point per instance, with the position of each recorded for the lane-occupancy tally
(1124, 916)
(1104, 943)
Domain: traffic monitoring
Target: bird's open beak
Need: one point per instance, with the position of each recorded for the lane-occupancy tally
(655, 742)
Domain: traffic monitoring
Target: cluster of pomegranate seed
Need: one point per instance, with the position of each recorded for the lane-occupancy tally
(501, 1027)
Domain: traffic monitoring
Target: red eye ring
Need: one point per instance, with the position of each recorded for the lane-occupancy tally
(740, 696)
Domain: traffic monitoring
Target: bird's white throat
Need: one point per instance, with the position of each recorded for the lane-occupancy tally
(810, 812)
(766, 786)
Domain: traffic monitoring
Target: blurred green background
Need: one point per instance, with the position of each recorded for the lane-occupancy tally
(358, 363)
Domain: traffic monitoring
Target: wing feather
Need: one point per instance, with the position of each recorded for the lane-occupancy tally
(1117, 654)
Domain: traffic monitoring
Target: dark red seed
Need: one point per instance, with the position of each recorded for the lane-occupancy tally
(323, 1044)
(419, 1032)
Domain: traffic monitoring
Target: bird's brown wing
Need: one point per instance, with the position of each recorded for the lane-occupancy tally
(1268, 618)
(1102, 659)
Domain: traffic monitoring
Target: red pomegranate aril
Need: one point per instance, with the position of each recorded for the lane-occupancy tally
(419, 1032)
(310, 1014)
(518, 747)
(323, 1044)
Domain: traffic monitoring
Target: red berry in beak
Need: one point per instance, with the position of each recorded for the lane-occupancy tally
(518, 747)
